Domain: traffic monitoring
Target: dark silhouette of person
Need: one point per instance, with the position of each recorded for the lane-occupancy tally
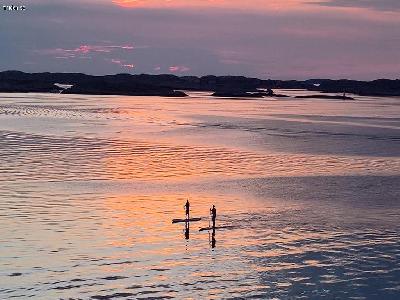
(270, 92)
(187, 207)
(213, 212)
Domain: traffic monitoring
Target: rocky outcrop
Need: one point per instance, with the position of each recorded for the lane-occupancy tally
(239, 93)
(380, 87)
(321, 96)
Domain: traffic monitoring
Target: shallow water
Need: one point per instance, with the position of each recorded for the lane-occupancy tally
(307, 195)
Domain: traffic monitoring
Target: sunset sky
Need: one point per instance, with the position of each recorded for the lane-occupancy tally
(292, 39)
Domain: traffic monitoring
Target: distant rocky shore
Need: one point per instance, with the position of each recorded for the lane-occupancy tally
(172, 86)
(339, 97)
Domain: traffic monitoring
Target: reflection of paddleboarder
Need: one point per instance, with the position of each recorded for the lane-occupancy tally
(213, 241)
(213, 212)
(187, 230)
(187, 206)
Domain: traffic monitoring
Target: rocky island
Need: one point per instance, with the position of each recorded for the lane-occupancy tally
(338, 97)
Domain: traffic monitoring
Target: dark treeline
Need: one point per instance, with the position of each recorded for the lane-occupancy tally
(169, 85)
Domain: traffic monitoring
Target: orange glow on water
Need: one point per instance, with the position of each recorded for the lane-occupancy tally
(146, 220)
(143, 161)
(64, 205)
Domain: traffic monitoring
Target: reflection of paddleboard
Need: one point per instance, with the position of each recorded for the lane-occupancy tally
(185, 220)
(211, 228)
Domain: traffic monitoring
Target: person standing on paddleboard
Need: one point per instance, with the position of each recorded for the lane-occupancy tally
(187, 207)
(213, 212)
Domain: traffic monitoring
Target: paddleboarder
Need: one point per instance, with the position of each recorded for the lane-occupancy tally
(187, 207)
(213, 212)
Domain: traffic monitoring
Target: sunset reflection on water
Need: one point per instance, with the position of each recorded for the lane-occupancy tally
(305, 197)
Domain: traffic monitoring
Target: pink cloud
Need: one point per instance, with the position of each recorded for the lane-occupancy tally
(235, 4)
(122, 63)
(83, 50)
(179, 69)
(99, 48)
(127, 47)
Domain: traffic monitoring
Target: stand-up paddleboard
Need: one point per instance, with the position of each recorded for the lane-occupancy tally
(185, 220)
(217, 227)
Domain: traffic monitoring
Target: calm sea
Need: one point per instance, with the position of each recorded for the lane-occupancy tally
(307, 194)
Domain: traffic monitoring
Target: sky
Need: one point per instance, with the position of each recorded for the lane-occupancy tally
(278, 39)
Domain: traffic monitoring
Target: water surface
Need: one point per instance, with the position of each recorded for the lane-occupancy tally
(307, 189)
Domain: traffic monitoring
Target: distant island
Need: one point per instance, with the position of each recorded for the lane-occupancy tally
(173, 86)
